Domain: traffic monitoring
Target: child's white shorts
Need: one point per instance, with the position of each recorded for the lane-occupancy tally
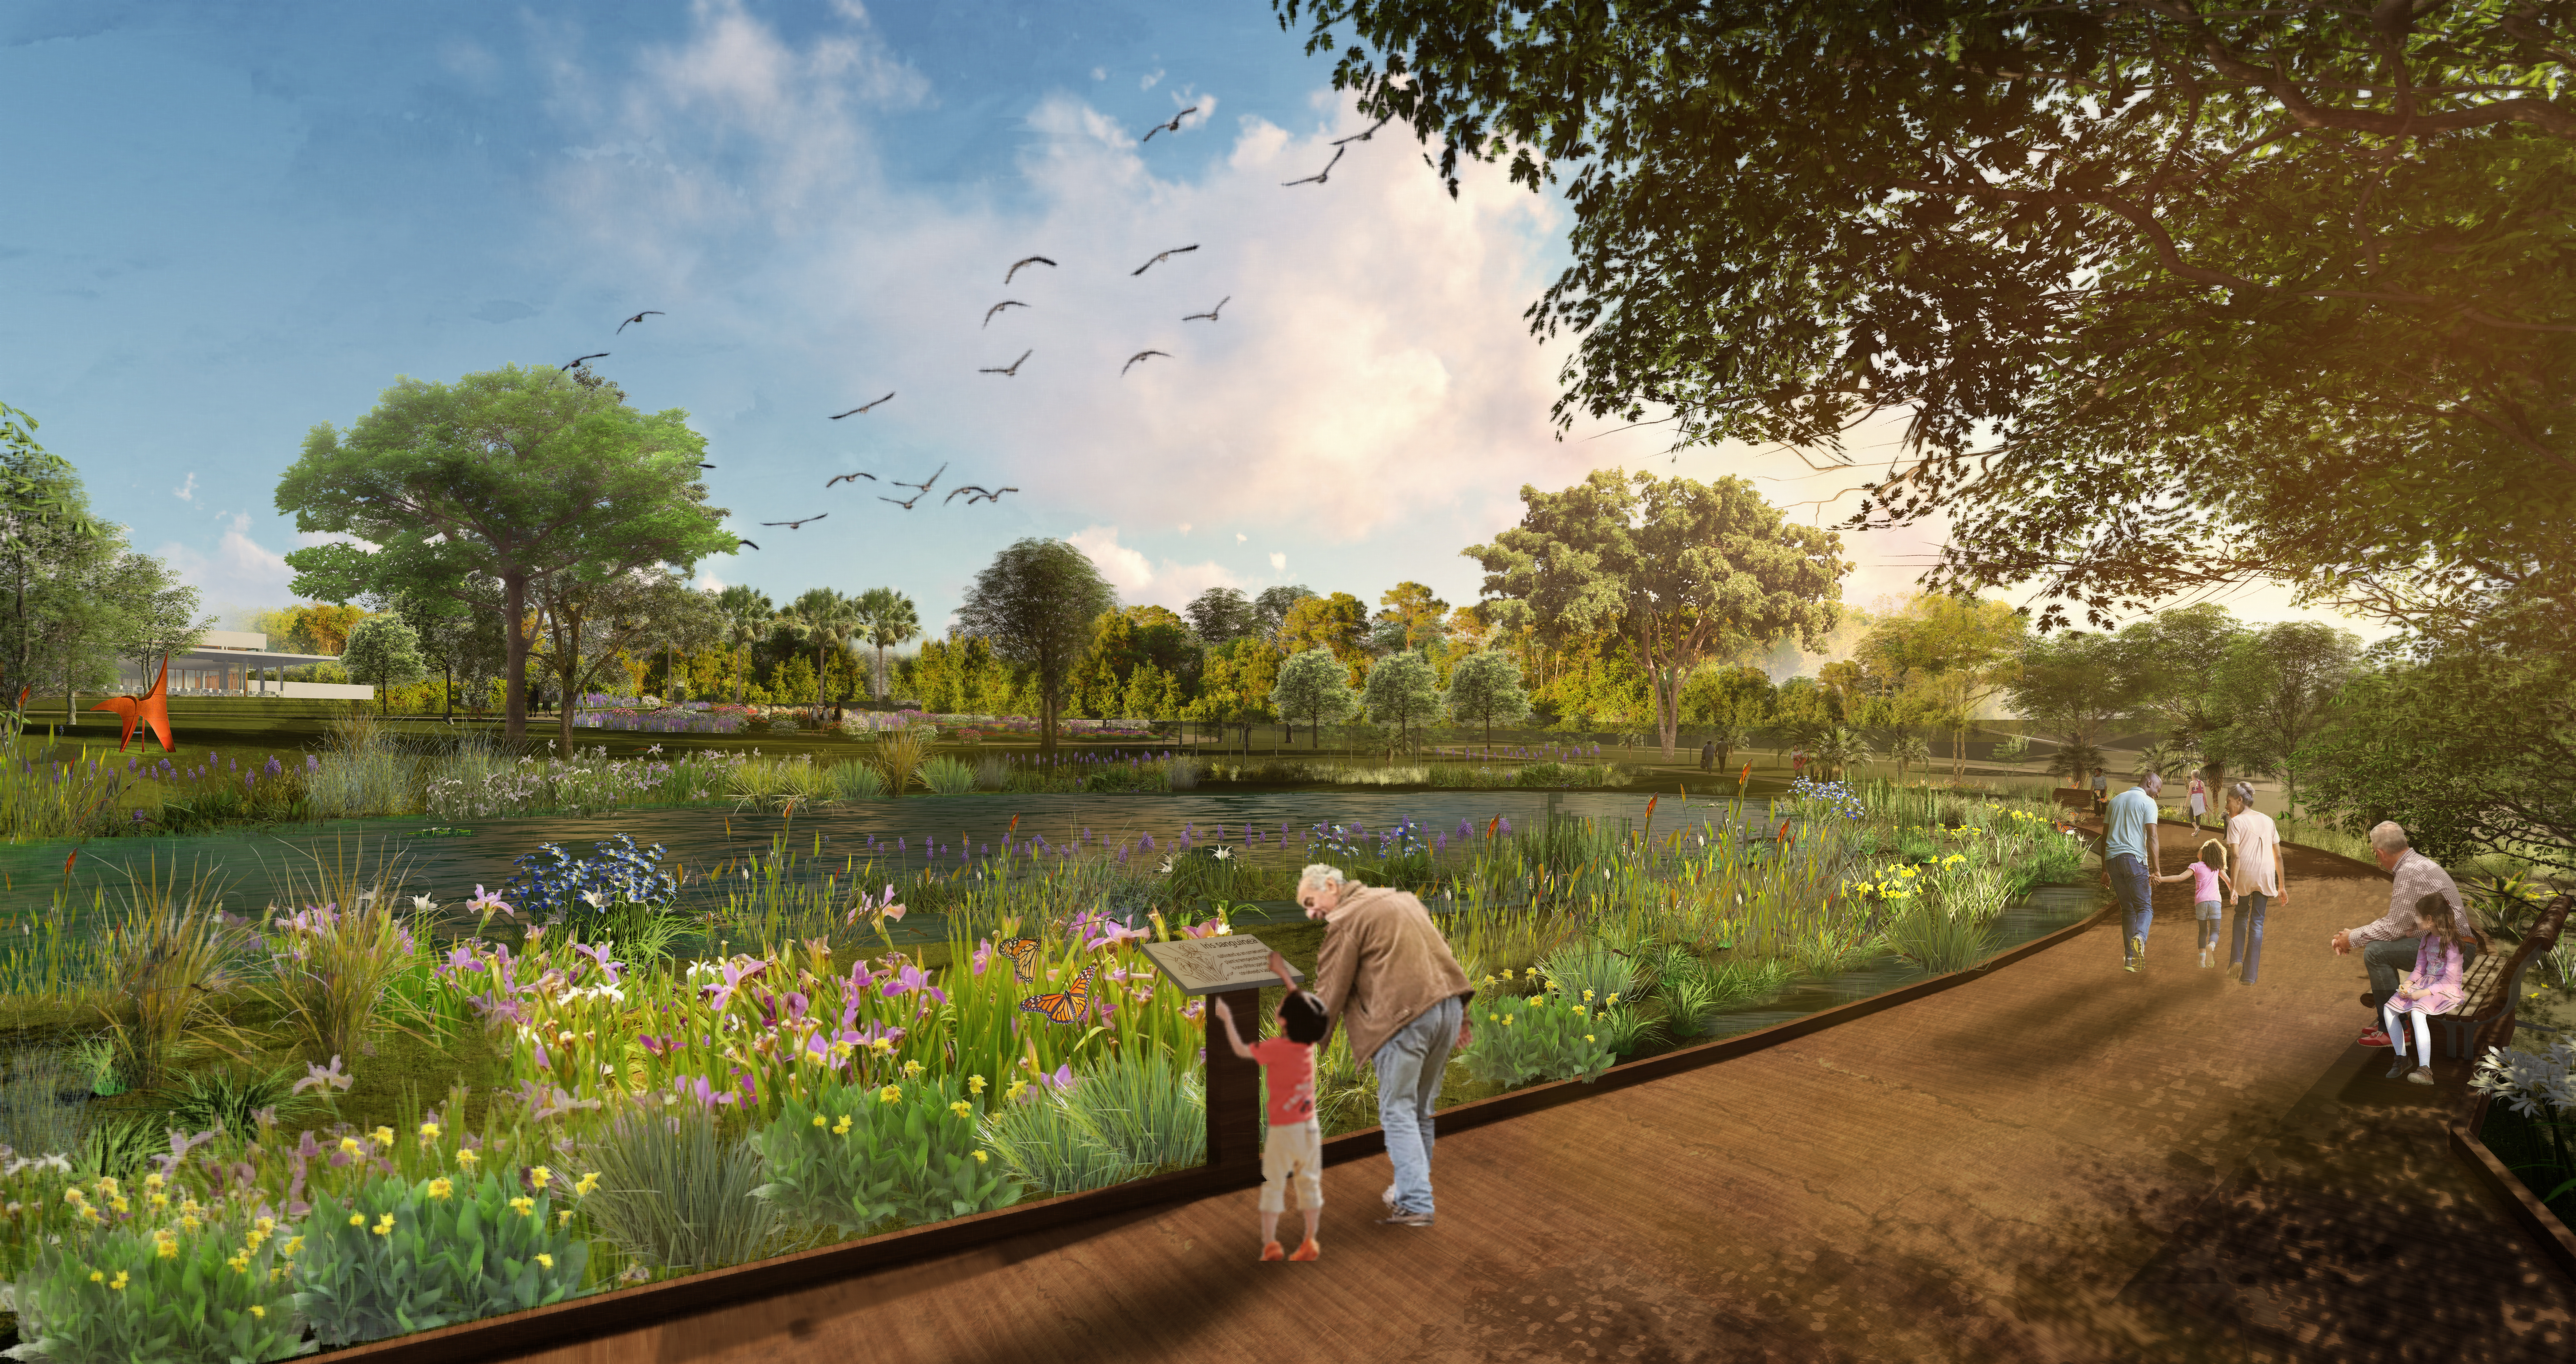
(1295, 1150)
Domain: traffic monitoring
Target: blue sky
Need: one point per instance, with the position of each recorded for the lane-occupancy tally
(230, 222)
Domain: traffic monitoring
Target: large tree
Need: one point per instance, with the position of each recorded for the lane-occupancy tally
(2074, 685)
(1313, 687)
(830, 621)
(49, 543)
(513, 473)
(887, 618)
(2141, 280)
(587, 616)
(1270, 609)
(2177, 655)
(1959, 652)
(1485, 690)
(1220, 614)
(1681, 569)
(1035, 604)
(2274, 691)
(1401, 691)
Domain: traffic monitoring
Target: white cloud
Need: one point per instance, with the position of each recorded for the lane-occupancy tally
(1240, 537)
(1100, 73)
(1278, 563)
(1142, 581)
(1148, 82)
(186, 492)
(240, 573)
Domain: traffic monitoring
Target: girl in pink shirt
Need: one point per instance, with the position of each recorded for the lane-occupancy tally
(2207, 877)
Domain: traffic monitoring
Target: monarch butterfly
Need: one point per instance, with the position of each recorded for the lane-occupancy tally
(1065, 1005)
(1023, 953)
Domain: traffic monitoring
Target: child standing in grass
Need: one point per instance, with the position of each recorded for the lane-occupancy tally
(1296, 1143)
(2207, 876)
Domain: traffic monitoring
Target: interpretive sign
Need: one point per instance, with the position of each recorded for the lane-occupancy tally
(1209, 966)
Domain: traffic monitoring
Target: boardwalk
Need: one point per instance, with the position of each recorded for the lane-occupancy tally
(2059, 1162)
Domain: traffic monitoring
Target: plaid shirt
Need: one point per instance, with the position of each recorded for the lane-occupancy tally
(2417, 876)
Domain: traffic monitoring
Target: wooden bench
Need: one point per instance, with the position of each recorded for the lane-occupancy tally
(2493, 987)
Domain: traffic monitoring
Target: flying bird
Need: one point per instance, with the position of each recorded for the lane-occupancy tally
(924, 485)
(963, 488)
(1210, 314)
(1012, 370)
(586, 360)
(847, 478)
(857, 410)
(1005, 303)
(1318, 177)
(1363, 137)
(907, 506)
(753, 544)
(1024, 260)
(1172, 127)
(706, 466)
(1132, 359)
(797, 525)
(649, 312)
(996, 495)
(1162, 257)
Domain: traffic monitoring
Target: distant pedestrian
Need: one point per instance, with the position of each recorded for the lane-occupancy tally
(2129, 850)
(2432, 987)
(2199, 801)
(2207, 876)
(1708, 756)
(1386, 975)
(2257, 884)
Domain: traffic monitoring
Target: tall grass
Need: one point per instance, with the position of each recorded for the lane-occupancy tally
(1136, 1113)
(901, 755)
(675, 1194)
(946, 776)
(172, 955)
(54, 794)
(41, 1097)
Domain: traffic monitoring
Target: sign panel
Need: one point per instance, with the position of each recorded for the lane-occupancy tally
(1207, 966)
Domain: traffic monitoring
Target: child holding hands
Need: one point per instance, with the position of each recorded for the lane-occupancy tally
(2206, 876)
(1296, 1142)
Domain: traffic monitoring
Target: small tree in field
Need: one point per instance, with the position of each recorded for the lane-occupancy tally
(1313, 686)
(383, 651)
(1484, 688)
(1401, 691)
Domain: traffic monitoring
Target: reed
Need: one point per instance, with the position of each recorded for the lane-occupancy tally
(172, 956)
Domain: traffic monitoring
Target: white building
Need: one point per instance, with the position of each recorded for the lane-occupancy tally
(237, 663)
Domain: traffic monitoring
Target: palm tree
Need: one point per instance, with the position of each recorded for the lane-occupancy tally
(888, 619)
(747, 613)
(1841, 748)
(829, 620)
(1909, 750)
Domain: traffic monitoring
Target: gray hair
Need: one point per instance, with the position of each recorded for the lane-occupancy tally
(2387, 837)
(1320, 873)
(2243, 791)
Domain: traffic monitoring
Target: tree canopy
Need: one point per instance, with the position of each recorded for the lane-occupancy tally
(2142, 280)
(1035, 604)
(1677, 567)
(1313, 687)
(519, 474)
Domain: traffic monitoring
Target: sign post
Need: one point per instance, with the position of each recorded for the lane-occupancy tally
(1231, 968)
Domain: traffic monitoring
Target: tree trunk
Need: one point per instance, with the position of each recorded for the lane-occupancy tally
(514, 696)
(1668, 706)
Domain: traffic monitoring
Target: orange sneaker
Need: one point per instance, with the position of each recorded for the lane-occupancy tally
(1308, 1250)
(1271, 1252)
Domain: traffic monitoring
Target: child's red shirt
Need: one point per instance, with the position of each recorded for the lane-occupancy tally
(1288, 1077)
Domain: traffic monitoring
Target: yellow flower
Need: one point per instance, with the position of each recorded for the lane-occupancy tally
(240, 1263)
(258, 1311)
(166, 1245)
(980, 1157)
(1507, 1022)
(106, 1184)
(357, 1219)
(1587, 996)
(912, 1070)
(563, 1217)
(581, 1187)
(820, 1122)
(157, 1201)
(119, 1282)
(120, 1205)
(544, 1259)
(842, 1128)
(265, 1225)
(962, 1109)
(293, 1244)
(74, 1197)
(1018, 1087)
(890, 1094)
(153, 1180)
(882, 1044)
(974, 1084)
(1611, 1000)
(524, 1206)
(428, 1133)
(96, 1276)
(384, 1136)
(1587, 1037)
(441, 1189)
(351, 1146)
(539, 1176)
(1507, 973)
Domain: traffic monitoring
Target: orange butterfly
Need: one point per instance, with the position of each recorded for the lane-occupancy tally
(1065, 1005)
(1023, 953)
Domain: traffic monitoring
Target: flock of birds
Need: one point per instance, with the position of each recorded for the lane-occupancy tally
(974, 493)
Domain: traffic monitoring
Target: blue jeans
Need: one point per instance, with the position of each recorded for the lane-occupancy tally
(1409, 1067)
(2245, 938)
(2129, 886)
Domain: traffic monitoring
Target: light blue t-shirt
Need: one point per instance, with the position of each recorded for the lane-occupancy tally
(2124, 827)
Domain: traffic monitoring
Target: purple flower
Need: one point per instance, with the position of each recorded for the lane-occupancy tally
(325, 1078)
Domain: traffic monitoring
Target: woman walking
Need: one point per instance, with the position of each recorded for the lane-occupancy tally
(2199, 801)
(2254, 849)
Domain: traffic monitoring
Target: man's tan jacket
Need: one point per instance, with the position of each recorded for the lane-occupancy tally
(1382, 965)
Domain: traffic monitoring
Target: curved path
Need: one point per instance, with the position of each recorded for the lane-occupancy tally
(2059, 1162)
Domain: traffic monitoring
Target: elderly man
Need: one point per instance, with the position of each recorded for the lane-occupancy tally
(2129, 851)
(2387, 944)
(1384, 973)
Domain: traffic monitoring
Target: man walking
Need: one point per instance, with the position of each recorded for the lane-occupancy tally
(2129, 851)
(1384, 973)
(1708, 755)
(2387, 944)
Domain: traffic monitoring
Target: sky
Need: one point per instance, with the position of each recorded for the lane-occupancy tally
(228, 223)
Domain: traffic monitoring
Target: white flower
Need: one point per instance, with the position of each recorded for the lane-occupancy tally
(1225, 854)
(423, 903)
(594, 899)
(1166, 868)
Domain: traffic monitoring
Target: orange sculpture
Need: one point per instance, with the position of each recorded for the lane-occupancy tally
(150, 710)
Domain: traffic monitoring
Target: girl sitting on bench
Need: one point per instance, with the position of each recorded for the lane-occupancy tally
(2433, 987)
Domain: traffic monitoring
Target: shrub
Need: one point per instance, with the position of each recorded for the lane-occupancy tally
(993, 772)
(855, 1157)
(1182, 774)
(172, 957)
(227, 1100)
(1519, 1040)
(201, 1295)
(901, 755)
(674, 1195)
(331, 974)
(399, 1256)
(1134, 1114)
(947, 776)
(1120, 777)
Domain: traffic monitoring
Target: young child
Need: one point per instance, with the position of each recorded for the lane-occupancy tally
(1296, 1143)
(2433, 987)
(2207, 876)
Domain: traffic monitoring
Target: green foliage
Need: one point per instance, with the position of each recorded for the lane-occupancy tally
(1517, 1040)
(228, 1099)
(1402, 691)
(1485, 690)
(1314, 690)
(1135, 1114)
(675, 1195)
(41, 1096)
(857, 780)
(858, 1157)
(398, 1255)
(2275, 691)
(946, 776)
(213, 1294)
(1034, 605)
(382, 651)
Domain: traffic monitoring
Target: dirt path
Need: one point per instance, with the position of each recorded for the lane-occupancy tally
(2058, 1163)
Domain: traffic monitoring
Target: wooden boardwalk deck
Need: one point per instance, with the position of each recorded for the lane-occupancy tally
(2060, 1162)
